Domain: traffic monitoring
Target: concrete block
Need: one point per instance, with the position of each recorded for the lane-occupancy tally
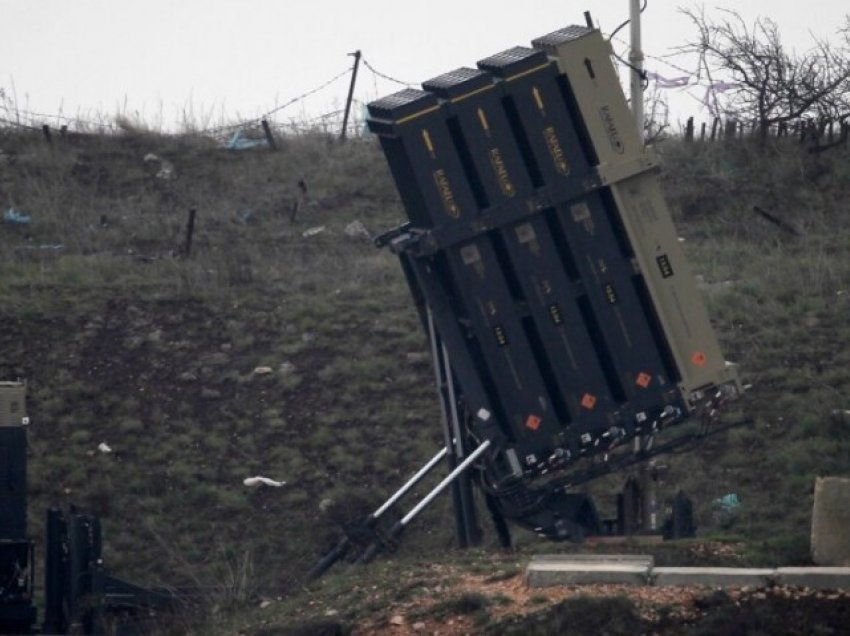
(633, 559)
(831, 522)
(820, 578)
(543, 574)
(713, 577)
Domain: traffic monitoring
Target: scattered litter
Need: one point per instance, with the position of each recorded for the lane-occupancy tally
(313, 231)
(166, 168)
(17, 217)
(265, 604)
(256, 481)
(397, 620)
(103, 447)
(262, 371)
(727, 503)
(356, 229)
(166, 171)
(238, 142)
(331, 612)
(44, 248)
(682, 239)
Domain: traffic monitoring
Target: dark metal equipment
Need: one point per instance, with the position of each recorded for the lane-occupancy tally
(17, 580)
(79, 597)
(565, 326)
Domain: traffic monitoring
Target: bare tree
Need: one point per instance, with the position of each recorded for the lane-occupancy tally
(770, 84)
(656, 116)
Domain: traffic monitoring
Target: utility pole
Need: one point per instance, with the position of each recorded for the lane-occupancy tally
(646, 480)
(356, 55)
(636, 60)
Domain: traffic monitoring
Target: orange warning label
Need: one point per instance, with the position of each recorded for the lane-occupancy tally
(533, 422)
(588, 401)
(643, 380)
(698, 358)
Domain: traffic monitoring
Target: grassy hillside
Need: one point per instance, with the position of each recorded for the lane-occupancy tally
(275, 350)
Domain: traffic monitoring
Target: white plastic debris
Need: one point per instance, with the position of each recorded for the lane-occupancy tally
(166, 168)
(356, 229)
(313, 231)
(103, 447)
(257, 481)
(262, 371)
(166, 171)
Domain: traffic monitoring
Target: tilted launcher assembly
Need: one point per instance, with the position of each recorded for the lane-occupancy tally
(563, 319)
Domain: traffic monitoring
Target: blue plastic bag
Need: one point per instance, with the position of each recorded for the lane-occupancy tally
(16, 217)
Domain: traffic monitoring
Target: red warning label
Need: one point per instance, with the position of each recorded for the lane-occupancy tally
(643, 380)
(698, 358)
(588, 401)
(533, 422)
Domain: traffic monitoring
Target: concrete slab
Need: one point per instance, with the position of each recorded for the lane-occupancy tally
(713, 577)
(549, 574)
(633, 559)
(820, 578)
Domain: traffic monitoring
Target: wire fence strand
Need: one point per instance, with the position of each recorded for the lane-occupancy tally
(385, 76)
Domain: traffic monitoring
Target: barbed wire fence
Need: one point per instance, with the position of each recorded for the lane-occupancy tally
(667, 73)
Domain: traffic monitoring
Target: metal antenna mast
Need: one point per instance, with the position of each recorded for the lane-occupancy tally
(636, 60)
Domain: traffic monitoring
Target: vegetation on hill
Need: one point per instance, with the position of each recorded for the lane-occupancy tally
(280, 349)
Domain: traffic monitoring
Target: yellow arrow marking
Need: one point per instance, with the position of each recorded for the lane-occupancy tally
(538, 98)
(428, 143)
(483, 119)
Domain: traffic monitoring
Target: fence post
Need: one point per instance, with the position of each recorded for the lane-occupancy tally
(45, 130)
(268, 132)
(190, 231)
(714, 126)
(702, 132)
(356, 55)
(689, 130)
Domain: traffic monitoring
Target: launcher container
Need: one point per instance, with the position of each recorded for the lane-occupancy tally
(545, 266)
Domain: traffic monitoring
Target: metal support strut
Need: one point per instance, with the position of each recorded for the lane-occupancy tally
(400, 525)
(325, 563)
